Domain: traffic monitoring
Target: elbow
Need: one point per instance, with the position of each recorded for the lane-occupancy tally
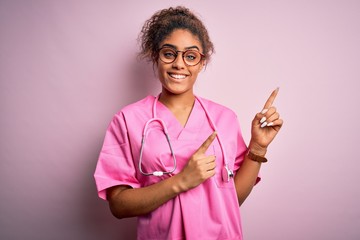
(241, 201)
(118, 211)
(117, 214)
(242, 193)
(116, 204)
(242, 196)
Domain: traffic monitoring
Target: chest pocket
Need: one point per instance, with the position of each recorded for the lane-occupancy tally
(230, 148)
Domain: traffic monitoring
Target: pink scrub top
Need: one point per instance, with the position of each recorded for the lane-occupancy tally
(208, 211)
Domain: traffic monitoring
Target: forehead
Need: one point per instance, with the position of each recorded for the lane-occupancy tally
(182, 39)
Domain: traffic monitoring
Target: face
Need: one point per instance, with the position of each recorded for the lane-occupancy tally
(176, 77)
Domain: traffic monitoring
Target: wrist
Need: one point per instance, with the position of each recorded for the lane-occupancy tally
(256, 149)
(179, 185)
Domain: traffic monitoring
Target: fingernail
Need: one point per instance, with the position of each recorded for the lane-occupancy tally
(264, 111)
(270, 124)
(262, 119)
(263, 125)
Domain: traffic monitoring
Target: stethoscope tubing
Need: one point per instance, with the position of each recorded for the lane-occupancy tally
(165, 130)
(143, 140)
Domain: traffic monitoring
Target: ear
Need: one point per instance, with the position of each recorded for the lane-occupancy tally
(203, 65)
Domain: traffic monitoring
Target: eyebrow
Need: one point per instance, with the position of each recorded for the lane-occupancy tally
(174, 47)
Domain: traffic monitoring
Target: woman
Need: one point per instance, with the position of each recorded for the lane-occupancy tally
(189, 186)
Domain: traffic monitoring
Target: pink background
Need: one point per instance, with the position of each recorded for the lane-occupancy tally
(67, 66)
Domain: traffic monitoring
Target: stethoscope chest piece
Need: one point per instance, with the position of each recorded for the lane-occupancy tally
(227, 174)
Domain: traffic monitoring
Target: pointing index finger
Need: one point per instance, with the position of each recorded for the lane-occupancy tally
(271, 99)
(203, 148)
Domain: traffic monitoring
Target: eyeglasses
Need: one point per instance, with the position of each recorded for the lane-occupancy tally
(191, 57)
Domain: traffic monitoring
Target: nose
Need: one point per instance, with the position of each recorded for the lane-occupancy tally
(179, 61)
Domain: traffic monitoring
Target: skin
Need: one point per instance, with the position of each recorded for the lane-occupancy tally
(178, 96)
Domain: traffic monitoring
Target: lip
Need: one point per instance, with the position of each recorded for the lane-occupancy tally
(177, 79)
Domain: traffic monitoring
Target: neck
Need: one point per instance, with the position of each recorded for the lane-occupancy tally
(177, 100)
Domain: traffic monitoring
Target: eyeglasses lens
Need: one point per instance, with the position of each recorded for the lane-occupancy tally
(190, 57)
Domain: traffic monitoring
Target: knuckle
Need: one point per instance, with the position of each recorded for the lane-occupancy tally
(274, 117)
(202, 177)
(196, 164)
(271, 111)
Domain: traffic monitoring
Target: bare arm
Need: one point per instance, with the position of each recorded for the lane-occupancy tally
(128, 202)
(246, 176)
(125, 201)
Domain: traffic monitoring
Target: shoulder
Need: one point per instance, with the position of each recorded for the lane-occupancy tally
(134, 112)
(143, 105)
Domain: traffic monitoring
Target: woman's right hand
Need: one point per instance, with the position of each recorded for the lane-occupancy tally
(129, 202)
(199, 168)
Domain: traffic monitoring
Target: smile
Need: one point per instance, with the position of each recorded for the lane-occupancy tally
(177, 76)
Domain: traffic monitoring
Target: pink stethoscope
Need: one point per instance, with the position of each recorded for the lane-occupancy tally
(227, 173)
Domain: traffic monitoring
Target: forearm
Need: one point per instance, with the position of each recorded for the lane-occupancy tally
(245, 178)
(128, 202)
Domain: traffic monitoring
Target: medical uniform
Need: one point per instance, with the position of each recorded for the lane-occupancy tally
(208, 211)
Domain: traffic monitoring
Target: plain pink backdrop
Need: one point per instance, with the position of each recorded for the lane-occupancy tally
(67, 66)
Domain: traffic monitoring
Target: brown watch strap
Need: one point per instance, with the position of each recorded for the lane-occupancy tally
(256, 158)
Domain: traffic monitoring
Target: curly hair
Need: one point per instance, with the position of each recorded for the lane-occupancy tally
(163, 23)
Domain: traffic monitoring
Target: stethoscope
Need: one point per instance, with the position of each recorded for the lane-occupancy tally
(226, 172)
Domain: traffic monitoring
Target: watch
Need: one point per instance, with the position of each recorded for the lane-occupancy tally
(256, 158)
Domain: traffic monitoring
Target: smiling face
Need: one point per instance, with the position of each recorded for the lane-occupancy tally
(176, 77)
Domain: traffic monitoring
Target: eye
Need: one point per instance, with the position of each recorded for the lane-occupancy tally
(168, 54)
(192, 56)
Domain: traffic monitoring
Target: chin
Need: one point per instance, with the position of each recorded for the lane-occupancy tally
(176, 91)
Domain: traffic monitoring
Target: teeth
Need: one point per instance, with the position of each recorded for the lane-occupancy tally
(178, 76)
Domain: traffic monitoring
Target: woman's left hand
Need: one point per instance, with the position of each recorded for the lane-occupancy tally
(265, 126)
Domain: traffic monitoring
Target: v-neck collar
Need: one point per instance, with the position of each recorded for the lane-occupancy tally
(177, 131)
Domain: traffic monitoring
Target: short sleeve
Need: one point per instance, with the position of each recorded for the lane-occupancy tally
(115, 165)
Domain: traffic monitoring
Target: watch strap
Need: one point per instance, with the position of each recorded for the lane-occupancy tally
(256, 158)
